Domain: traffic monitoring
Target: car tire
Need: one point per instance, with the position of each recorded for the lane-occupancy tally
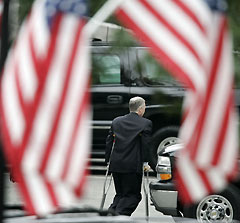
(161, 139)
(226, 206)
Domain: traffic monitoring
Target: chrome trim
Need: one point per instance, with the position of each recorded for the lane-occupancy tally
(101, 127)
(104, 122)
(164, 199)
(100, 124)
(156, 106)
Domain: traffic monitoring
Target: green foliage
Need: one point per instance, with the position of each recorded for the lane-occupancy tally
(24, 8)
(237, 68)
(95, 5)
(234, 19)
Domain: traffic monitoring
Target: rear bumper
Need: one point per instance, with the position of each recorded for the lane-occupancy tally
(164, 197)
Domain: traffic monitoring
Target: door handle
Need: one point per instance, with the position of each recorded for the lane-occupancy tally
(114, 99)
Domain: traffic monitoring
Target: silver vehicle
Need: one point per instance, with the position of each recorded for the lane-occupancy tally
(215, 207)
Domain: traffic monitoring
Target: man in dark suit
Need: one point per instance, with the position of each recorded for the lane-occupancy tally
(127, 146)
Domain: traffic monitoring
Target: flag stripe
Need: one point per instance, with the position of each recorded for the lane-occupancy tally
(27, 77)
(78, 120)
(191, 113)
(41, 69)
(159, 53)
(9, 94)
(196, 39)
(227, 160)
(182, 62)
(173, 30)
(191, 193)
(217, 103)
(209, 91)
(192, 14)
(60, 105)
(223, 130)
(19, 93)
(62, 137)
(180, 185)
(202, 172)
(75, 171)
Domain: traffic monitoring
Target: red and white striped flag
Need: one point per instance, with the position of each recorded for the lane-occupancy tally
(45, 106)
(191, 40)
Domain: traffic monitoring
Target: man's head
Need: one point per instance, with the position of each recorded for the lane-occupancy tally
(137, 104)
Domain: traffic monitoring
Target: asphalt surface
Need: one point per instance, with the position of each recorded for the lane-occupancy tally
(92, 196)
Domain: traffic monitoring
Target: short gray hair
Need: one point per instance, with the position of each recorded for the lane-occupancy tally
(136, 103)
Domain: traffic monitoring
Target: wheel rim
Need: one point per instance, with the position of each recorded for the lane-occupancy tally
(167, 142)
(214, 208)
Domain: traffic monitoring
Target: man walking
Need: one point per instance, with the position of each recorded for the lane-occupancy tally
(127, 146)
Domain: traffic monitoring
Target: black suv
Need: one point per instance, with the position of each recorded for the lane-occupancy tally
(120, 73)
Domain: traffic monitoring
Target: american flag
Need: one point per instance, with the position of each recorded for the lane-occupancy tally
(192, 41)
(45, 106)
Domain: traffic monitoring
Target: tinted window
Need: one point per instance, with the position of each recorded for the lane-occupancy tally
(106, 69)
(152, 72)
(236, 55)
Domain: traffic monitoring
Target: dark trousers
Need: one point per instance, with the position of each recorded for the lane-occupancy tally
(128, 192)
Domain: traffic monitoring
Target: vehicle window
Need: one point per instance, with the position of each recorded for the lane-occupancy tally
(106, 69)
(152, 72)
(236, 55)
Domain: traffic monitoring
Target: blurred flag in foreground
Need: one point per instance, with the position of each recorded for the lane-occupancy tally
(191, 40)
(45, 105)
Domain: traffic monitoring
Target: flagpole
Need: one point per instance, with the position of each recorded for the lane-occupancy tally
(102, 14)
(3, 55)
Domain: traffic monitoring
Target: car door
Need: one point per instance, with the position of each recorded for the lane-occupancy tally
(109, 90)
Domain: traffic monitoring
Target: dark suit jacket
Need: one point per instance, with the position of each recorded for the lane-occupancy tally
(132, 141)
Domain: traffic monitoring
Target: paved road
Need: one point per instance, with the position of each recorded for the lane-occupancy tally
(92, 196)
